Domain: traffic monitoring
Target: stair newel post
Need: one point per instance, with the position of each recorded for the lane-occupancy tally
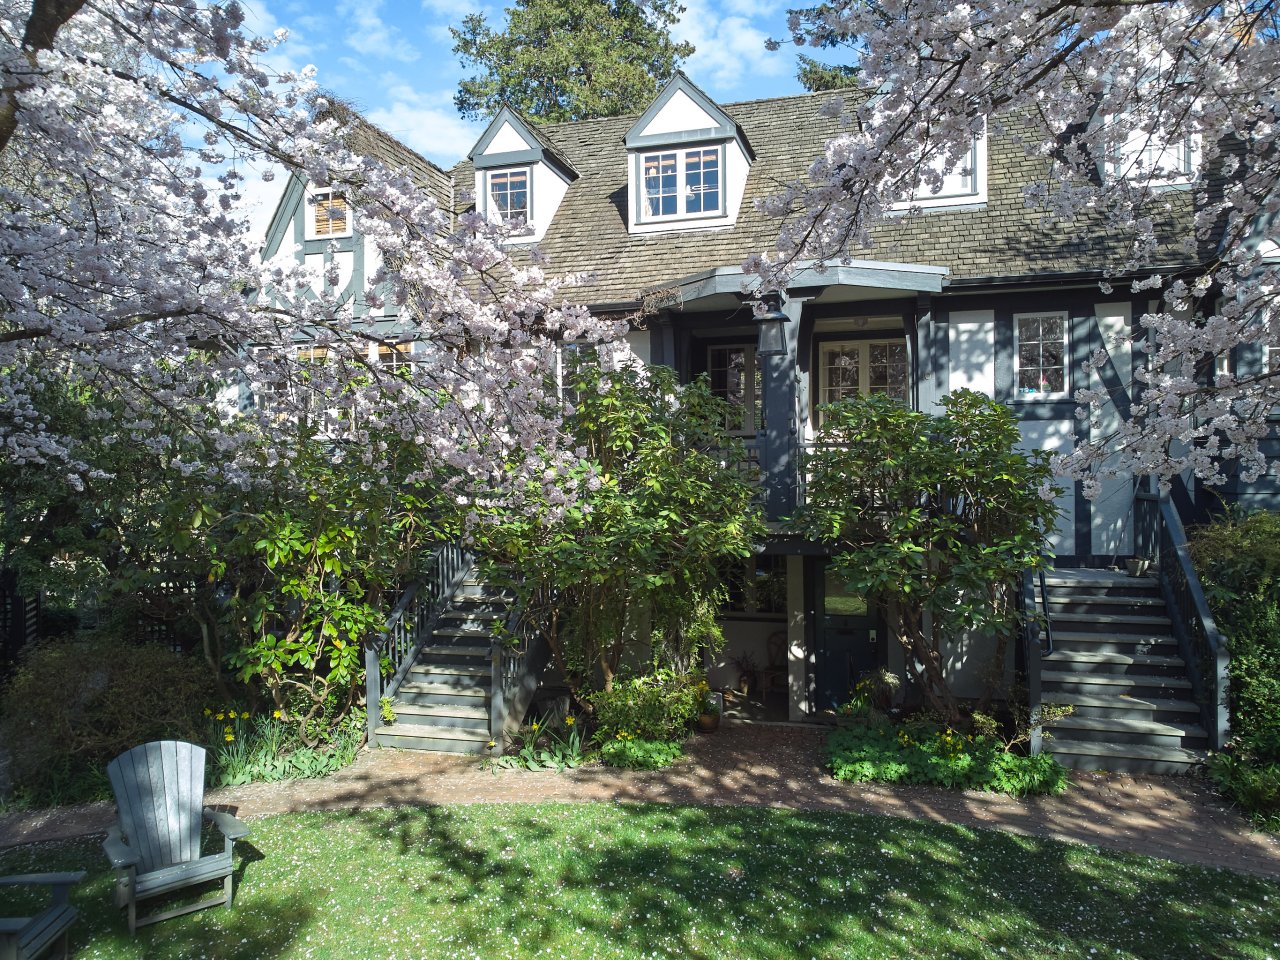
(497, 699)
(373, 688)
(1032, 665)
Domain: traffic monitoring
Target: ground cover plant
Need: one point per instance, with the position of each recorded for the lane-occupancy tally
(924, 752)
(618, 881)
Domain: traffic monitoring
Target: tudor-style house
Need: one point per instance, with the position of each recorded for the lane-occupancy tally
(969, 289)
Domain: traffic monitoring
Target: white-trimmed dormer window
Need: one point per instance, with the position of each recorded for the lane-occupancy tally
(508, 195)
(687, 163)
(962, 183)
(1151, 157)
(329, 214)
(683, 183)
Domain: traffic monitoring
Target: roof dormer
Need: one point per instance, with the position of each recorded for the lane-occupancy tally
(520, 176)
(687, 163)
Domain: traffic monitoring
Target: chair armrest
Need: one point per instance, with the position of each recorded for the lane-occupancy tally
(118, 851)
(44, 879)
(231, 828)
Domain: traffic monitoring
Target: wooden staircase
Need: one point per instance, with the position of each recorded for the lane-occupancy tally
(1117, 664)
(445, 702)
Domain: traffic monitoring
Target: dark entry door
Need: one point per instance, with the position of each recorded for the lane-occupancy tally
(850, 635)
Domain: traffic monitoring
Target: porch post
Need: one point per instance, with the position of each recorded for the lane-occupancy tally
(778, 430)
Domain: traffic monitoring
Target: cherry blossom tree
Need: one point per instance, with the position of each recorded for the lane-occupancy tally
(126, 273)
(1125, 99)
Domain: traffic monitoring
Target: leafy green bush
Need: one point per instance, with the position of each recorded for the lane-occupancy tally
(926, 753)
(636, 753)
(1238, 560)
(74, 704)
(658, 706)
(267, 748)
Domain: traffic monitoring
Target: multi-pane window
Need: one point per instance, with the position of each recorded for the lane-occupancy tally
(735, 378)
(1041, 353)
(573, 359)
(861, 367)
(330, 216)
(509, 194)
(395, 357)
(681, 183)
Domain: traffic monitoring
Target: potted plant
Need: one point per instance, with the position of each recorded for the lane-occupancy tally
(712, 707)
(746, 665)
(1138, 566)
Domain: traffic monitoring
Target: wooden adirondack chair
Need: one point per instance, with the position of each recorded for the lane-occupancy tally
(24, 938)
(155, 848)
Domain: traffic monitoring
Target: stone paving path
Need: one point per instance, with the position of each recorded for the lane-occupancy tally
(1173, 818)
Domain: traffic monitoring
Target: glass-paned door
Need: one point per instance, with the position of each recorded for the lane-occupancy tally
(735, 378)
(859, 367)
(850, 637)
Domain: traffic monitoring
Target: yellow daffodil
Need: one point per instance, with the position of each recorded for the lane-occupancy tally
(227, 729)
(492, 744)
(221, 716)
(534, 728)
(568, 721)
(244, 715)
(229, 737)
(277, 714)
(208, 712)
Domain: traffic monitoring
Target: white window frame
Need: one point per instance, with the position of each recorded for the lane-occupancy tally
(490, 207)
(682, 157)
(1065, 393)
(863, 348)
(751, 421)
(1126, 168)
(976, 192)
(313, 198)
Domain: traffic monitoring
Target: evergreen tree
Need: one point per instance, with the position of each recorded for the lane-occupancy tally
(561, 60)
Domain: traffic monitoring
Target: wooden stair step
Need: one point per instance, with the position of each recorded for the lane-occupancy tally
(452, 669)
(1143, 704)
(1096, 578)
(1151, 639)
(479, 713)
(1125, 725)
(1118, 619)
(1123, 757)
(446, 650)
(1123, 659)
(461, 632)
(1116, 680)
(427, 688)
(1084, 598)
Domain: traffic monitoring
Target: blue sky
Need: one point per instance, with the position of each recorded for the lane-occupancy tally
(395, 62)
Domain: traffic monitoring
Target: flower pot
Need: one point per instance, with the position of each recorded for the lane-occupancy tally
(708, 722)
(1137, 566)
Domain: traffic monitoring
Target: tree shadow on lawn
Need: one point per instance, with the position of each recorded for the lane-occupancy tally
(748, 882)
(261, 924)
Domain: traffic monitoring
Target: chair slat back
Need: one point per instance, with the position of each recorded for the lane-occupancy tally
(159, 790)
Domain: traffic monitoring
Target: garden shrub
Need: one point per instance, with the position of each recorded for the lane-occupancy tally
(557, 744)
(1238, 560)
(876, 750)
(74, 704)
(659, 706)
(637, 753)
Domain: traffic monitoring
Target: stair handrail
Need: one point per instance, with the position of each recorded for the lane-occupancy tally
(1202, 645)
(409, 624)
(1033, 654)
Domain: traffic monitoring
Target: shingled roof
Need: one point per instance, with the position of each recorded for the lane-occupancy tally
(1000, 238)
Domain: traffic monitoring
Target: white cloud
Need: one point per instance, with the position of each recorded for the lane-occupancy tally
(726, 48)
(368, 33)
(427, 122)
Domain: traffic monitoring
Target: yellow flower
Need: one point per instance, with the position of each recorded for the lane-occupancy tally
(244, 715)
(492, 744)
(208, 712)
(221, 716)
(277, 714)
(568, 721)
(229, 737)
(534, 728)
(227, 729)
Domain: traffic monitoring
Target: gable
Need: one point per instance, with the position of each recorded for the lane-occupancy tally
(678, 115)
(506, 139)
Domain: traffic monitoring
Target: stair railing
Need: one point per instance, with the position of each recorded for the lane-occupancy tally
(388, 659)
(1199, 641)
(1032, 654)
(518, 655)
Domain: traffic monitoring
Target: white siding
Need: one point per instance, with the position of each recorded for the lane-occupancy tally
(679, 115)
(506, 140)
(971, 336)
(1056, 436)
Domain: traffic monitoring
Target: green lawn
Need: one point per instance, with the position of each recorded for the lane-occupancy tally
(577, 881)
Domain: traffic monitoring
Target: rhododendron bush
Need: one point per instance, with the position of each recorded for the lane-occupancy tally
(126, 272)
(1123, 101)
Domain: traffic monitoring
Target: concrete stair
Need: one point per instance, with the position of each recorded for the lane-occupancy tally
(444, 703)
(1116, 663)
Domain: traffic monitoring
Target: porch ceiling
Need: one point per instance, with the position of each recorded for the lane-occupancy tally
(857, 280)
